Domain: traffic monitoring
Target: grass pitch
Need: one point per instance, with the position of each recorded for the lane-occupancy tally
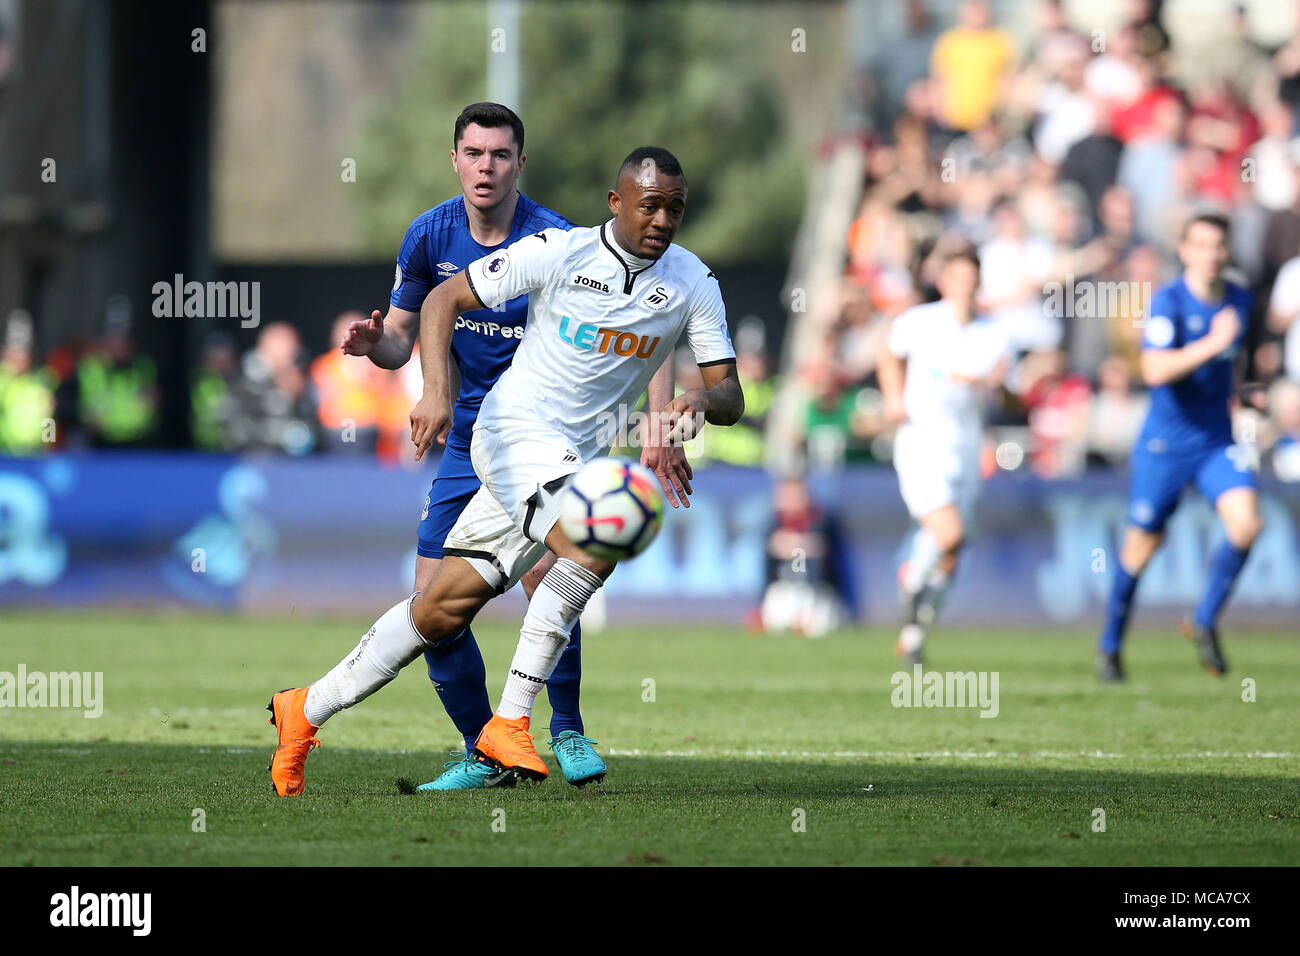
(754, 750)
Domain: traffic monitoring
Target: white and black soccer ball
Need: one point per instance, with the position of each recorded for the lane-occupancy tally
(612, 508)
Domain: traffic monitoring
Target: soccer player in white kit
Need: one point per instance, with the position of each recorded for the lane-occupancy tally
(607, 305)
(934, 368)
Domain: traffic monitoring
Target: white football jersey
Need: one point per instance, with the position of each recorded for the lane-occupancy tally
(600, 323)
(940, 352)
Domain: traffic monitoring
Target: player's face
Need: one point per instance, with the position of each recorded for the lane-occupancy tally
(959, 281)
(648, 207)
(488, 163)
(1204, 250)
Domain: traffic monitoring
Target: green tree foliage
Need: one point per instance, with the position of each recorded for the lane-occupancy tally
(598, 80)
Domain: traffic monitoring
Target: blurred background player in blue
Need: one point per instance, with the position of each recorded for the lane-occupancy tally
(1191, 339)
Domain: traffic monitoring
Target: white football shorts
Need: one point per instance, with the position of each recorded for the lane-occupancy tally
(503, 529)
(933, 474)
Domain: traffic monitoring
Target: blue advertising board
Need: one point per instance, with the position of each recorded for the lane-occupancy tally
(337, 535)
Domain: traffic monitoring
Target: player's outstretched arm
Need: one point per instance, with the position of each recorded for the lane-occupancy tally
(431, 417)
(1162, 366)
(386, 340)
(720, 402)
(666, 460)
(726, 399)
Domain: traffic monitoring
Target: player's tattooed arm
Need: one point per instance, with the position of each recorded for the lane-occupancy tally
(726, 399)
(720, 402)
(1162, 366)
(386, 340)
(431, 416)
(665, 459)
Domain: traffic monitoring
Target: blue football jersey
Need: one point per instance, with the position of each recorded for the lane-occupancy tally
(437, 245)
(1191, 414)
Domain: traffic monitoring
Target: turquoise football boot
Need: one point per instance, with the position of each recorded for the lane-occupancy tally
(579, 762)
(470, 773)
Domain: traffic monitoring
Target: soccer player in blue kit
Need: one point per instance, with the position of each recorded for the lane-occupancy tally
(1192, 335)
(488, 158)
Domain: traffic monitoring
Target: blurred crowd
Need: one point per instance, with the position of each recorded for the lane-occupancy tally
(274, 398)
(1069, 162)
(277, 397)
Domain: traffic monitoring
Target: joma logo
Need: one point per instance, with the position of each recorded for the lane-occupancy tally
(590, 283)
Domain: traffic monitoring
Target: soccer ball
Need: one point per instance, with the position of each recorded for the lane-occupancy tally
(612, 508)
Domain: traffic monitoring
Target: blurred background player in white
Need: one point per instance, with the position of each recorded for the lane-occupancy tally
(607, 305)
(934, 368)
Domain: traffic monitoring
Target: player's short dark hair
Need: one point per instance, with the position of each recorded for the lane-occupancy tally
(1216, 219)
(664, 160)
(489, 116)
(963, 254)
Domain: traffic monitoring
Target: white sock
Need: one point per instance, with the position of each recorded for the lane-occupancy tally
(554, 609)
(936, 587)
(921, 560)
(390, 645)
(911, 637)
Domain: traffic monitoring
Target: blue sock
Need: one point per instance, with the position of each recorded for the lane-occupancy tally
(456, 669)
(1117, 610)
(562, 689)
(1224, 568)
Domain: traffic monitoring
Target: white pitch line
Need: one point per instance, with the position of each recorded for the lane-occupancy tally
(815, 754)
(962, 754)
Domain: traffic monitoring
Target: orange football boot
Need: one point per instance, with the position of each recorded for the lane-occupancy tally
(297, 740)
(509, 744)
